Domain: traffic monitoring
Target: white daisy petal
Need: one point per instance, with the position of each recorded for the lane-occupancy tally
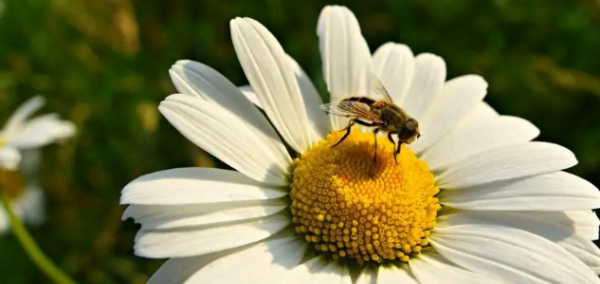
(481, 112)
(586, 223)
(250, 95)
(31, 205)
(558, 191)
(9, 157)
(575, 244)
(228, 137)
(195, 186)
(513, 255)
(394, 65)
(506, 162)
(310, 95)
(179, 270)
(368, 275)
(198, 240)
(476, 137)
(198, 80)
(431, 268)
(272, 259)
(457, 98)
(318, 271)
(312, 101)
(272, 77)
(427, 82)
(583, 222)
(177, 216)
(41, 131)
(16, 120)
(345, 54)
(393, 274)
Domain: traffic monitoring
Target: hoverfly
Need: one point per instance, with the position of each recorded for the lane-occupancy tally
(382, 114)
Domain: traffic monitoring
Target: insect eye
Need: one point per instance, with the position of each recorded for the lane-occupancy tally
(411, 124)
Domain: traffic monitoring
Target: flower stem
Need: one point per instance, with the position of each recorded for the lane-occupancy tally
(32, 249)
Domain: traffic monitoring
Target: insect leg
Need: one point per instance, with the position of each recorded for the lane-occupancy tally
(394, 143)
(397, 151)
(375, 136)
(348, 129)
(390, 138)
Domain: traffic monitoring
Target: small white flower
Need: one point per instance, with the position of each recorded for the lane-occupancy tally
(22, 133)
(510, 215)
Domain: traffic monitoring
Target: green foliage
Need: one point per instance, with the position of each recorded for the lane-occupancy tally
(104, 65)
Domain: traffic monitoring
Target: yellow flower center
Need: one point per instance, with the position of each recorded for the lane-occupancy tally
(12, 182)
(350, 207)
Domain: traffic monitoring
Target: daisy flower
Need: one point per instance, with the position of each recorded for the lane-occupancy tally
(20, 158)
(472, 201)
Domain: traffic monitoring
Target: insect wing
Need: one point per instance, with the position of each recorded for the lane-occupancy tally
(351, 109)
(343, 108)
(377, 89)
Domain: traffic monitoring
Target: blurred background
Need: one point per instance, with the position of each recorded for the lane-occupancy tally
(104, 65)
